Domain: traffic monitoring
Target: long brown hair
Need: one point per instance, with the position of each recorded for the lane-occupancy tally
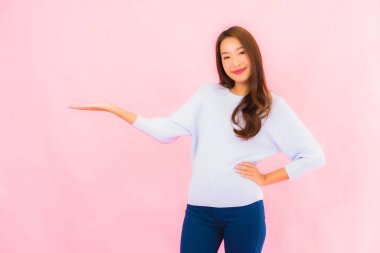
(257, 103)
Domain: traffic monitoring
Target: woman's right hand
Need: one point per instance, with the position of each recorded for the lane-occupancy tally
(94, 107)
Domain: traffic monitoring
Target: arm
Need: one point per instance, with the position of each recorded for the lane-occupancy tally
(167, 129)
(294, 139)
(275, 176)
(162, 129)
(125, 115)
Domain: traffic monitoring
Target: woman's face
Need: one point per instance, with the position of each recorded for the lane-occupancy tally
(234, 57)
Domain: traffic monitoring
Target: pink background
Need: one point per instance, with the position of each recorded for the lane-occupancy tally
(83, 181)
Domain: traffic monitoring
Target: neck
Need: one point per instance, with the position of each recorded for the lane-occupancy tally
(240, 89)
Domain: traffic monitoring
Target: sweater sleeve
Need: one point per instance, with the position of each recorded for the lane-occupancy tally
(181, 122)
(295, 140)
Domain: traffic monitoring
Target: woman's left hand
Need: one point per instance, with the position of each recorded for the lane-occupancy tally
(249, 170)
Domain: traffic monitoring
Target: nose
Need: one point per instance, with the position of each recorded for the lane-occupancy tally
(235, 62)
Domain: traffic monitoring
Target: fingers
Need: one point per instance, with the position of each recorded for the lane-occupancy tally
(94, 107)
(85, 107)
(76, 107)
(247, 169)
(246, 166)
(250, 171)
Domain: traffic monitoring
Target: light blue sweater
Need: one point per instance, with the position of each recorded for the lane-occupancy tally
(216, 150)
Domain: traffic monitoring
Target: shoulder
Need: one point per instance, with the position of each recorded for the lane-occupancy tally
(278, 108)
(207, 89)
(278, 102)
(276, 98)
(281, 110)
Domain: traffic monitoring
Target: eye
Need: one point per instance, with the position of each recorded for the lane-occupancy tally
(242, 52)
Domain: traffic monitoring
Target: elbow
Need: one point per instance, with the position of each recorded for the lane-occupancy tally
(317, 157)
(303, 163)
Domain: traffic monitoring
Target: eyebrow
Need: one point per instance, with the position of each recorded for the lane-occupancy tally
(234, 50)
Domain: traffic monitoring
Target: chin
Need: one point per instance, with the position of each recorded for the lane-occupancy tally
(241, 80)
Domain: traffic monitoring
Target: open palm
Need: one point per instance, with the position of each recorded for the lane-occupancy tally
(93, 107)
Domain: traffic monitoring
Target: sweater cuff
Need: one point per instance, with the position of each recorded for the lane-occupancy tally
(138, 122)
(299, 167)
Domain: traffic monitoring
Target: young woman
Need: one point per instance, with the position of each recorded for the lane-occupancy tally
(234, 124)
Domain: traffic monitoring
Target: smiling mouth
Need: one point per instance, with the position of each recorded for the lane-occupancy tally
(239, 71)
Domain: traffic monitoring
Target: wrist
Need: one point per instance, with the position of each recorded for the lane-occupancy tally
(110, 107)
(265, 182)
(275, 176)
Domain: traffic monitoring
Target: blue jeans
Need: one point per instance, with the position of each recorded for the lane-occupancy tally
(243, 229)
